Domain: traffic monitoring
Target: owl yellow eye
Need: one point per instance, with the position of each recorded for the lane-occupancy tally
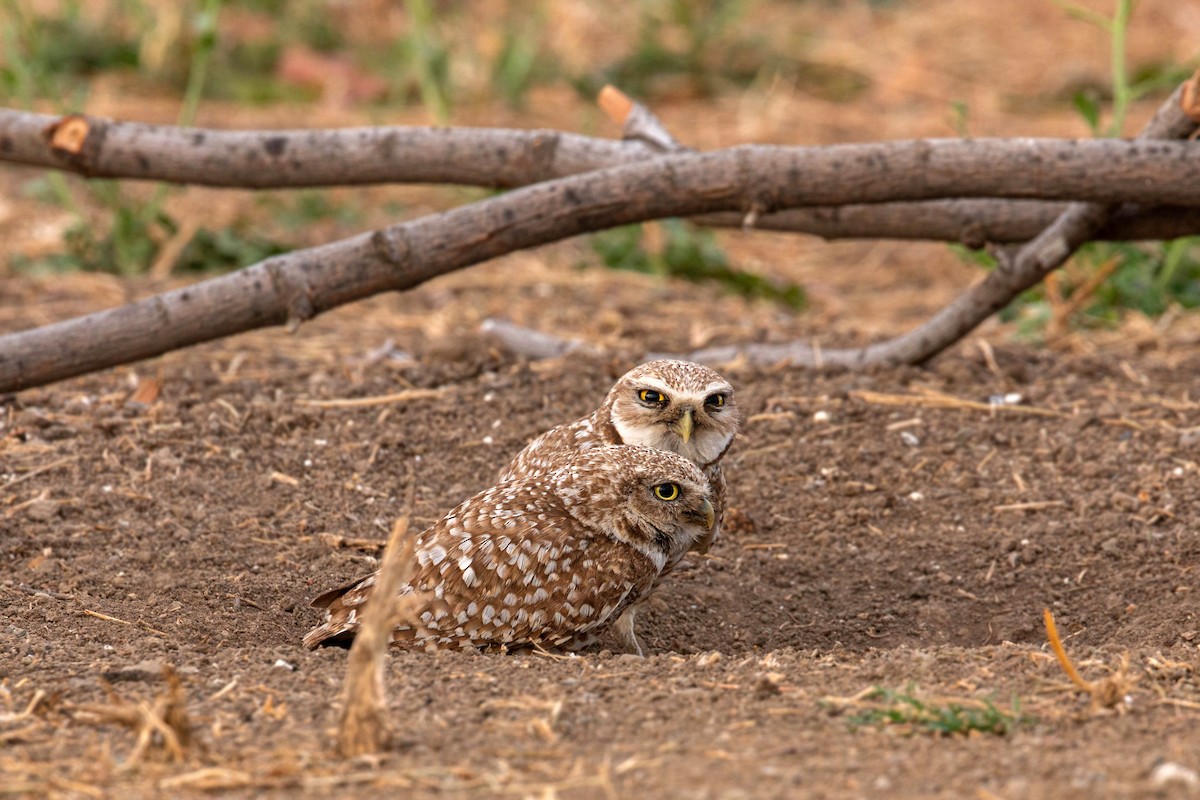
(667, 491)
(651, 396)
(715, 400)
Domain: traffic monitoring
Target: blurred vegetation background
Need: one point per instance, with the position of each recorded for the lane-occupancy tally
(481, 63)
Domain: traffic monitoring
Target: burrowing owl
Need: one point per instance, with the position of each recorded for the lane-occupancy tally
(678, 406)
(549, 560)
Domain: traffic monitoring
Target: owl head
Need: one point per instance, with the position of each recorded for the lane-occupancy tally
(655, 501)
(678, 406)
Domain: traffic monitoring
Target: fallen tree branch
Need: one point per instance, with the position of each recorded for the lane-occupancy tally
(98, 147)
(1019, 269)
(971, 222)
(297, 286)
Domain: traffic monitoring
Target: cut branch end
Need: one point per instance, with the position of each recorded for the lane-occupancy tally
(69, 134)
(1189, 100)
(615, 103)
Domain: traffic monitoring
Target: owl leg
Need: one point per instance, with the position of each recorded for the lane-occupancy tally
(623, 631)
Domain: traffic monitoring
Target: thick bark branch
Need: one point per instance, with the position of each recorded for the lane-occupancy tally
(299, 285)
(98, 147)
(1020, 268)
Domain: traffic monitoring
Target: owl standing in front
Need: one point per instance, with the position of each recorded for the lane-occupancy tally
(543, 561)
(678, 406)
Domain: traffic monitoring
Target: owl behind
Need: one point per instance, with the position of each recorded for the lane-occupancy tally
(676, 406)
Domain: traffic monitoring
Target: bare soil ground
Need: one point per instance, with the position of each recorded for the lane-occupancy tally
(876, 538)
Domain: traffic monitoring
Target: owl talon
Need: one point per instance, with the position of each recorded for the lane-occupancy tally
(623, 631)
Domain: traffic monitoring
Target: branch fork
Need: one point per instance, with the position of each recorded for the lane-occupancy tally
(606, 184)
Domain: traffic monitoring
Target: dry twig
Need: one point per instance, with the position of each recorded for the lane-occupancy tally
(932, 399)
(161, 726)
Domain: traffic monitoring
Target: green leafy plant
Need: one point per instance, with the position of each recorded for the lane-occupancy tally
(425, 60)
(697, 48)
(46, 56)
(225, 249)
(691, 253)
(125, 243)
(908, 713)
(126, 238)
(304, 208)
(521, 63)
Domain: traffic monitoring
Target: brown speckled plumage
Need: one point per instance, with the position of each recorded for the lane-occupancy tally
(549, 560)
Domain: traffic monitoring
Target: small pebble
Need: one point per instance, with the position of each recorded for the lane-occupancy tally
(821, 417)
(43, 510)
(1010, 399)
(766, 686)
(910, 439)
(281, 664)
(1169, 772)
(148, 670)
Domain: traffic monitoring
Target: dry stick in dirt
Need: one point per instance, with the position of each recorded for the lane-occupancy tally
(750, 180)
(103, 148)
(363, 729)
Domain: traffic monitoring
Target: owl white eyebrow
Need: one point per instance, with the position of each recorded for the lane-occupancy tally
(657, 385)
(723, 388)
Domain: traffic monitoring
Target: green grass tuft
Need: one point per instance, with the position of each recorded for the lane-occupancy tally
(693, 254)
(907, 713)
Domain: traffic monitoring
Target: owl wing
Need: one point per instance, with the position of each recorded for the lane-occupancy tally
(555, 445)
(716, 480)
(503, 568)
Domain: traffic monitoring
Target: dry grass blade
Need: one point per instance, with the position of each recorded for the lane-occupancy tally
(208, 779)
(1106, 693)
(1035, 505)
(337, 542)
(932, 399)
(1064, 310)
(62, 462)
(30, 707)
(378, 400)
(162, 726)
(363, 729)
(105, 617)
(1060, 652)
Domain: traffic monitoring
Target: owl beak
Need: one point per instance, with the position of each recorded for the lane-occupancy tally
(685, 425)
